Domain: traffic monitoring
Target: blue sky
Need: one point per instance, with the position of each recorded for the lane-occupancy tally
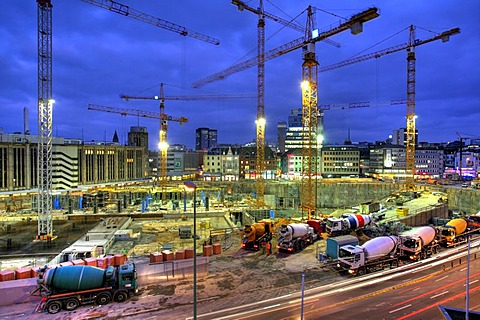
(99, 54)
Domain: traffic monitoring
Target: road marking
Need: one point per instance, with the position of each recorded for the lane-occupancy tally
(417, 288)
(463, 269)
(272, 306)
(471, 282)
(398, 309)
(438, 295)
(380, 304)
(441, 279)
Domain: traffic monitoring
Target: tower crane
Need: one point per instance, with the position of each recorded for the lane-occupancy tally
(411, 61)
(309, 88)
(163, 146)
(164, 118)
(45, 96)
(126, 11)
(260, 121)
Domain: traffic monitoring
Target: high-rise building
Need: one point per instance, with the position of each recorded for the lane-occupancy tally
(138, 137)
(399, 137)
(205, 138)
(293, 137)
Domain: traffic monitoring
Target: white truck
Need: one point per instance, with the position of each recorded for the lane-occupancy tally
(346, 224)
(419, 243)
(295, 237)
(373, 255)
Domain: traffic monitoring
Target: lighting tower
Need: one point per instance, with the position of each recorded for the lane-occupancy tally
(45, 106)
(410, 46)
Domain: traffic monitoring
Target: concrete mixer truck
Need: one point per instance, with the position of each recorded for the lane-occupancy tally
(295, 236)
(255, 234)
(418, 243)
(375, 254)
(346, 224)
(457, 231)
(71, 286)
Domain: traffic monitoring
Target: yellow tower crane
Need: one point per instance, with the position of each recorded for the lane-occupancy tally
(261, 121)
(410, 47)
(163, 145)
(45, 94)
(355, 24)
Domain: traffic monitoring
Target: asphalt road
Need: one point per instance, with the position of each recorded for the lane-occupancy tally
(410, 292)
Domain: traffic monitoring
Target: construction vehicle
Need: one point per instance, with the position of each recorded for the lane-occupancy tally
(457, 231)
(373, 255)
(69, 287)
(258, 234)
(346, 224)
(419, 243)
(295, 237)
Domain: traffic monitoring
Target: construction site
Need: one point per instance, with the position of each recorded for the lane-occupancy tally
(153, 240)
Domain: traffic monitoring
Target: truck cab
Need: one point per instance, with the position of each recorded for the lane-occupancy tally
(411, 247)
(351, 258)
(127, 277)
(448, 235)
(333, 226)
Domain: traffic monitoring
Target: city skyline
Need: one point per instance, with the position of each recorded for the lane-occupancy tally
(99, 54)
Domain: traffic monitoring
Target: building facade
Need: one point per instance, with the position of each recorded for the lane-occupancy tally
(205, 138)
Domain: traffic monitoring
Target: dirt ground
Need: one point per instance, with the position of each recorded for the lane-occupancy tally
(234, 277)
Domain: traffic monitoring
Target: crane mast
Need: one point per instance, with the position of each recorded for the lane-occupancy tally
(411, 76)
(45, 106)
(45, 97)
(163, 144)
(410, 143)
(260, 123)
(309, 122)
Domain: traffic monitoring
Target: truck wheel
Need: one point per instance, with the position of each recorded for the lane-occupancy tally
(54, 307)
(103, 298)
(71, 304)
(394, 264)
(120, 296)
(360, 272)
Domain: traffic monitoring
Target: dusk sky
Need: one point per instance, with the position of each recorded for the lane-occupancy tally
(98, 54)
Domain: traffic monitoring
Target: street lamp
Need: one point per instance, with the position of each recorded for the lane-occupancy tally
(191, 187)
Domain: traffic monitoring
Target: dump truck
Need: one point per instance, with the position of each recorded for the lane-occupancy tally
(256, 234)
(375, 254)
(346, 224)
(457, 231)
(419, 243)
(295, 237)
(68, 287)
